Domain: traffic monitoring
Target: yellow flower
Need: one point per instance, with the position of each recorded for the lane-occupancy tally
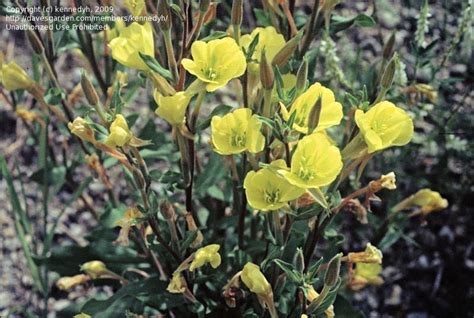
(255, 280)
(14, 77)
(266, 190)
(172, 108)
(114, 32)
(133, 39)
(370, 255)
(177, 284)
(366, 274)
(331, 111)
(315, 163)
(68, 282)
(82, 129)
(206, 254)
(268, 39)
(94, 269)
(135, 7)
(384, 125)
(119, 133)
(237, 132)
(216, 62)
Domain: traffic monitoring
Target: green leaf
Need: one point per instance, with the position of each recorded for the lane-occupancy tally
(344, 309)
(214, 36)
(319, 197)
(54, 96)
(364, 20)
(339, 23)
(262, 17)
(328, 300)
(252, 47)
(290, 270)
(155, 66)
(218, 111)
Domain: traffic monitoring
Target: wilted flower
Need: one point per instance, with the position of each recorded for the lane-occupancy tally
(14, 77)
(267, 190)
(370, 255)
(82, 129)
(216, 62)
(206, 254)
(237, 132)
(94, 269)
(172, 108)
(126, 222)
(120, 134)
(177, 284)
(427, 200)
(82, 315)
(25, 114)
(384, 125)
(68, 282)
(133, 39)
(255, 280)
(388, 181)
(315, 163)
(331, 111)
(268, 39)
(366, 274)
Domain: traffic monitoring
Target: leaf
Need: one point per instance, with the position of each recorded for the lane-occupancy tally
(54, 96)
(313, 269)
(328, 300)
(319, 197)
(262, 17)
(344, 309)
(21, 223)
(364, 20)
(339, 23)
(214, 36)
(218, 111)
(290, 270)
(155, 66)
(252, 47)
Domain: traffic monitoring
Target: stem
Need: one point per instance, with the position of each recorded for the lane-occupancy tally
(277, 227)
(154, 226)
(170, 55)
(243, 205)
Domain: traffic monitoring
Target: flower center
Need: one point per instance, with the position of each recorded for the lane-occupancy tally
(210, 73)
(238, 139)
(304, 172)
(271, 196)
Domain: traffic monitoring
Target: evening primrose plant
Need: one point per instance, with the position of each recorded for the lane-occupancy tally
(213, 208)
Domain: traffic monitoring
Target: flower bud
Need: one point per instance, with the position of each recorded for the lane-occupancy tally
(266, 72)
(388, 48)
(332, 274)
(14, 77)
(35, 42)
(298, 261)
(94, 269)
(89, 90)
(302, 76)
(237, 12)
(282, 57)
(167, 210)
(371, 255)
(204, 5)
(164, 12)
(206, 254)
(389, 73)
(314, 115)
(81, 129)
(68, 282)
(254, 279)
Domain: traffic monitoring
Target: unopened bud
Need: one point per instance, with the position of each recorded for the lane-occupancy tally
(204, 5)
(301, 76)
(237, 12)
(164, 12)
(388, 48)
(314, 115)
(94, 269)
(139, 179)
(298, 261)
(266, 72)
(389, 73)
(35, 42)
(167, 210)
(282, 57)
(332, 274)
(89, 90)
